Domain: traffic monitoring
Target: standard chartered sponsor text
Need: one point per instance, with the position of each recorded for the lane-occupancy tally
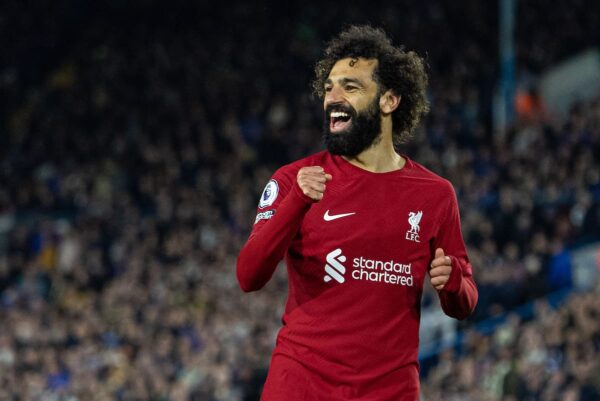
(389, 272)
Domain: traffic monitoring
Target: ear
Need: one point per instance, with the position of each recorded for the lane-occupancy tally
(389, 101)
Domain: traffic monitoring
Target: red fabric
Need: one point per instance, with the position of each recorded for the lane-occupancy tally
(356, 339)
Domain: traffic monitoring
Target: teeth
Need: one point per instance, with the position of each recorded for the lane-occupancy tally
(338, 114)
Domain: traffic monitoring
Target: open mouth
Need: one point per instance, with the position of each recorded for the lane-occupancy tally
(339, 121)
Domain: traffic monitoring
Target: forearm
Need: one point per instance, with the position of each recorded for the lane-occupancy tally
(264, 249)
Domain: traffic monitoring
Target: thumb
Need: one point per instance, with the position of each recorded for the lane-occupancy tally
(439, 253)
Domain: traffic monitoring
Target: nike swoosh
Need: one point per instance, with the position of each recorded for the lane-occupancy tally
(329, 217)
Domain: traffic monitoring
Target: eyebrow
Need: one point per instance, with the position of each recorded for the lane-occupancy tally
(343, 81)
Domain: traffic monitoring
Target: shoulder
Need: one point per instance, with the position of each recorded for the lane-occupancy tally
(439, 185)
(284, 178)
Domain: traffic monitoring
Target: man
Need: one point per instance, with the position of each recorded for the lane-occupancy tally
(360, 227)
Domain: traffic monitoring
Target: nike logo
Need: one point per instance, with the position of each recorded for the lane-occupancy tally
(329, 217)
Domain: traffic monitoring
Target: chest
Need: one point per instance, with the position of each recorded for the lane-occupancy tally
(368, 233)
(376, 218)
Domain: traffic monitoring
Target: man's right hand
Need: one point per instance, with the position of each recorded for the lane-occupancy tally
(311, 181)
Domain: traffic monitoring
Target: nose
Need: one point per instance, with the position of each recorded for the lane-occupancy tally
(334, 95)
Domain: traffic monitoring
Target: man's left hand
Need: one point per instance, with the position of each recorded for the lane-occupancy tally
(441, 267)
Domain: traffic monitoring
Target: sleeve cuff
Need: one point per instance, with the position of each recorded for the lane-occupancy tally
(300, 195)
(455, 280)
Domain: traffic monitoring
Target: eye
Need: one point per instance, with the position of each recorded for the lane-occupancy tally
(350, 88)
(327, 88)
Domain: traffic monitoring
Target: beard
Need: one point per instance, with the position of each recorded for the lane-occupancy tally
(362, 133)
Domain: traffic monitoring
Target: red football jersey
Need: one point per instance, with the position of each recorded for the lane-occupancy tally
(356, 262)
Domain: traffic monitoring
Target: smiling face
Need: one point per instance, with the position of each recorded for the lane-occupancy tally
(352, 115)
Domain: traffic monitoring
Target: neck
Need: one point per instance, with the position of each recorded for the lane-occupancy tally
(379, 158)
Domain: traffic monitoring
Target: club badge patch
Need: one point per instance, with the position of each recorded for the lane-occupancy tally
(269, 194)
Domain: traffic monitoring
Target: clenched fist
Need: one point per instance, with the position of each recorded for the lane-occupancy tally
(441, 267)
(311, 181)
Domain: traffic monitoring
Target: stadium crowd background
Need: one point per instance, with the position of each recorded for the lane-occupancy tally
(137, 138)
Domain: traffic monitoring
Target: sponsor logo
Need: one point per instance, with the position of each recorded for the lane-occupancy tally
(363, 269)
(414, 218)
(269, 194)
(329, 217)
(264, 216)
(334, 269)
(379, 271)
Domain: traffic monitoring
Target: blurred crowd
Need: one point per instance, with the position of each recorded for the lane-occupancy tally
(138, 139)
(552, 357)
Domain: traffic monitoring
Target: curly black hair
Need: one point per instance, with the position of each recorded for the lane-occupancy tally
(401, 71)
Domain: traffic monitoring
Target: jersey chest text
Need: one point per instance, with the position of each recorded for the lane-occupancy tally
(367, 237)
